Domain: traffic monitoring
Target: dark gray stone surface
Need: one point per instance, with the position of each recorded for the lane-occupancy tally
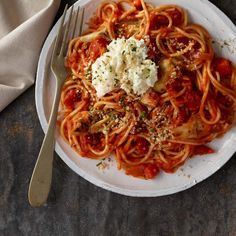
(76, 207)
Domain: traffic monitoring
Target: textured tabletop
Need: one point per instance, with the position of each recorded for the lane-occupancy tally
(76, 207)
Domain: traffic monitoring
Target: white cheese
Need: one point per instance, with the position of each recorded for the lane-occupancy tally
(124, 65)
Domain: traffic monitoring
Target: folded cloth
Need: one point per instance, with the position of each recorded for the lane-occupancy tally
(24, 24)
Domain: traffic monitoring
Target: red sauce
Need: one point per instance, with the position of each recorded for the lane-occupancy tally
(150, 171)
(181, 118)
(151, 98)
(147, 171)
(202, 149)
(142, 145)
(223, 66)
(153, 52)
(224, 100)
(72, 61)
(154, 96)
(176, 17)
(94, 139)
(138, 4)
(72, 98)
(158, 21)
(97, 48)
(190, 98)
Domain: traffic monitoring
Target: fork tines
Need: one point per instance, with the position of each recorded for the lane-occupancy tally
(65, 34)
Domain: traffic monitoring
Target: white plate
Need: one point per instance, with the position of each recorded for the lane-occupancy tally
(194, 170)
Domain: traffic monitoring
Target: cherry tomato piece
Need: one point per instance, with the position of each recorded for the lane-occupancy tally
(138, 4)
(150, 171)
(202, 149)
(142, 145)
(147, 171)
(223, 66)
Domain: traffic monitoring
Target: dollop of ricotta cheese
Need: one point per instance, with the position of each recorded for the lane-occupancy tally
(124, 65)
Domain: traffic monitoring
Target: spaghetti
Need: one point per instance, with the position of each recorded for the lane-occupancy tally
(192, 103)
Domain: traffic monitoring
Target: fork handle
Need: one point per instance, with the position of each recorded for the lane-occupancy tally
(41, 178)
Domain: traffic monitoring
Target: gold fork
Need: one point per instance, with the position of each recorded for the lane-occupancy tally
(41, 178)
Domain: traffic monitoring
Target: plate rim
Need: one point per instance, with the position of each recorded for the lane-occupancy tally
(100, 183)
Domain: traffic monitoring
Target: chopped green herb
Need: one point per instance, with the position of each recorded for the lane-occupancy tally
(122, 101)
(152, 130)
(99, 163)
(143, 114)
(116, 81)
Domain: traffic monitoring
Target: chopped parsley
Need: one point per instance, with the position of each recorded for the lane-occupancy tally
(152, 130)
(116, 81)
(99, 163)
(143, 115)
(122, 101)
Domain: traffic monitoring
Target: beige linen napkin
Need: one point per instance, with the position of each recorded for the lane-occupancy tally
(24, 24)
